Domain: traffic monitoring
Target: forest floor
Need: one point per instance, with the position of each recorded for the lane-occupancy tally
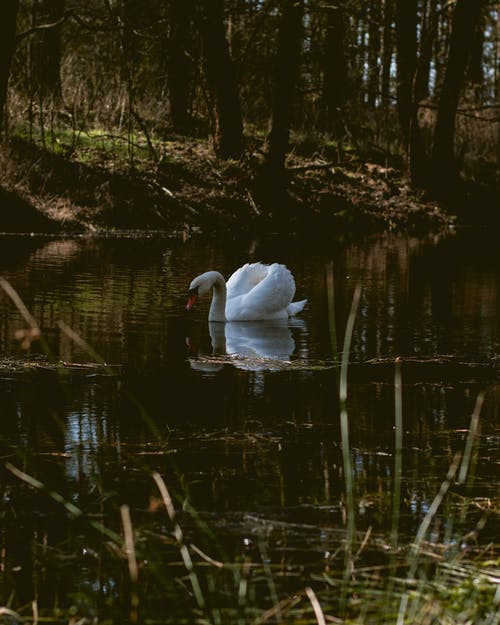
(97, 189)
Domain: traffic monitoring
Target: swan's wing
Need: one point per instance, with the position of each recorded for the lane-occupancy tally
(245, 278)
(273, 293)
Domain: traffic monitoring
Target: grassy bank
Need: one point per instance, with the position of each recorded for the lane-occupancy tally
(100, 182)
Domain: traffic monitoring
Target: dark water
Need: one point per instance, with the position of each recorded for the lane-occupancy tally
(249, 444)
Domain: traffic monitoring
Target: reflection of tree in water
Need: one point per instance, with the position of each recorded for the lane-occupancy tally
(421, 298)
(260, 437)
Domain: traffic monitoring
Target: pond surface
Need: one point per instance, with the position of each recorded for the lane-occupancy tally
(242, 423)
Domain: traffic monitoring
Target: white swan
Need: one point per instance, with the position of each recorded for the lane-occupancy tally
(254, 292)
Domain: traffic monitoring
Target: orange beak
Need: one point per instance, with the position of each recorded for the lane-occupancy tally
(193, 296)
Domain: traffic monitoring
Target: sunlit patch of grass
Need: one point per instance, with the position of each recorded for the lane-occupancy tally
(310, 143)
(90, 145)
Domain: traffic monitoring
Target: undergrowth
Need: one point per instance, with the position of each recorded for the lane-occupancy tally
(93, 180)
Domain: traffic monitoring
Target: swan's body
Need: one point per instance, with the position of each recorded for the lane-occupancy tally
(254, 292)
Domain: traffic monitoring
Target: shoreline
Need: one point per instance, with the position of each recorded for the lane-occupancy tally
(192, 192)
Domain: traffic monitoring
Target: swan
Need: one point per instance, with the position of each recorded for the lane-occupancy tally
(255, 292)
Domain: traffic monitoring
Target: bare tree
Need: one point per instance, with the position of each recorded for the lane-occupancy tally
(374, 49)
(465, 18)
(285, 79)
(8, 18)
(179, 65)
(387, 50)
(406, 46)
(221, 78)
(335, 67)
(47, 54)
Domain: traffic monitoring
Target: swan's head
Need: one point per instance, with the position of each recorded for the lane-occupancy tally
(200, 286)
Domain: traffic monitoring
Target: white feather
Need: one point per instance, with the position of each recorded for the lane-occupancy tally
(254, 292)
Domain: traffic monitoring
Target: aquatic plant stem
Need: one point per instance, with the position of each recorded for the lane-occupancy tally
(21, 306)
(15, 617)
(318, 612)
(33, 333)
(179, 536)
(424, 526)
(422, 531)
(270, 579)
(82, 344)
(133, 569)
(344, 422)
(473, 433)
(330, 296)
(73, 510)
(398, 451)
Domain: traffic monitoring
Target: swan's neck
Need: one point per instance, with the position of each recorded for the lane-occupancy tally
(218, 305)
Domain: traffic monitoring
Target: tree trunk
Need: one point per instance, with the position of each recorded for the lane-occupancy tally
(47, 72)
(179, 67)
(418, 158)
(386, 53)
(228, 125)
(497, 77)
(335, 68)
(130, 24)
(428, 25)
(441, 46)
(358, 60)
(475, 69)
(286, 74)
(465, 19)
(406, 45)
(8, 18)
(374, 53)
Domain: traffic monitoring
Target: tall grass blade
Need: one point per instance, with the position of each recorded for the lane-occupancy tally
(433, 508)
(318, 612)
(398, 455)
(330, 298)
(133, 569)
(82, 344)
(33, 332)
(73, 510)
(472, 436)
(270, 579)
(344, 422)
(422, 531)
(20, 305)
(179, 536)
(11, 615)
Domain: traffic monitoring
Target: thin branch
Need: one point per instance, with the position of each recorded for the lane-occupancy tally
(71, 14)
(42, 27)
(467, 112)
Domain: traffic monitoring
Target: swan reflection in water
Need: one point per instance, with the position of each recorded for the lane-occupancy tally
(250, 345)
